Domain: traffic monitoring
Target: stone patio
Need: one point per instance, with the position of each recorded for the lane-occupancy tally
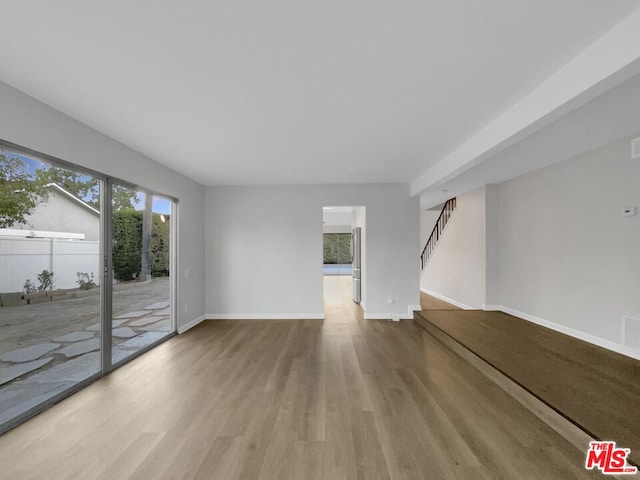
(46, 348)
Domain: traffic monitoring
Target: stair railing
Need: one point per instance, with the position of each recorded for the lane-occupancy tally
(436, 233)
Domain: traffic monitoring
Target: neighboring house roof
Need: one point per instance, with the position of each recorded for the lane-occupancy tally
(55, 186)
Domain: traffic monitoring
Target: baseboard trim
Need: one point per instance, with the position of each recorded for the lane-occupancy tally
(388, 316)
(446, 299)
(586, 337)
(264, 316)
(492, 308)
(191, 324)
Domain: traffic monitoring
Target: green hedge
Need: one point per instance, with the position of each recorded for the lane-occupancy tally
(127, 245)
(160, 250)
(336, 248)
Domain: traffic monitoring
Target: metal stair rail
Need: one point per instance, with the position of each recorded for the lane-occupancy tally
(436, 233)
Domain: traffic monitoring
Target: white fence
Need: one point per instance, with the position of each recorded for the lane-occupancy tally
(25, 258)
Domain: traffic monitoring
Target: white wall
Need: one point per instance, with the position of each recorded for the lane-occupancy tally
(58, 213)
(32, 124)
(552, 247)
(337, 218)
(568, 256)
(23, 259)
(428, 219)
(492, 245)
(336, 228)
(337, 222)
(264, 248)
(457, 268)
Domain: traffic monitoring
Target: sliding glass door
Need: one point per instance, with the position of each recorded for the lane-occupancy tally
(337, 253)
(141, 263)
(80, 255)
(50, 278)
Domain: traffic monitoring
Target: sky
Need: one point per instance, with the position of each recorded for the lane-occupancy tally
(160, 205)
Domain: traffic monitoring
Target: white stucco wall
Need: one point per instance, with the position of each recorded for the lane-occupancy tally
(457, 268)
(57, 213)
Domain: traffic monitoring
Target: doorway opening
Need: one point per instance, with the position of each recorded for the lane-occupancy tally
(342, 255)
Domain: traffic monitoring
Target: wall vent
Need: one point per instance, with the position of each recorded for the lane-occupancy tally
(631, 332)
(635, 148)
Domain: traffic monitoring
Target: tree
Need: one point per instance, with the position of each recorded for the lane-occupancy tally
(84, 187)
(18, 191)
(123, 197)
(146, 237)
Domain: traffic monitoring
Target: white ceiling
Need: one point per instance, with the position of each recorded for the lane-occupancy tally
(605, 119)
(250, 92)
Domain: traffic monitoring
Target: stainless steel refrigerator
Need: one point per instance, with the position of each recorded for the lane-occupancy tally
(355, 263)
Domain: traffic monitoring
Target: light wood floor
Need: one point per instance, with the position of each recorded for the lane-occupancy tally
(344, 398)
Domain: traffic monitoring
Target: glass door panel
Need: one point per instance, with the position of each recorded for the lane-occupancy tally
(49, 281)
(141, 260)
(337, 253)
(343, 248)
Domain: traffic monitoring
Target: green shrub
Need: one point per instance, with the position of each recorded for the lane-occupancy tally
(85, 281)
(29, 287)
(45, 281)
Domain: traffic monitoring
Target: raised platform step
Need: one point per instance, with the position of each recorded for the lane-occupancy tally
(582, 391)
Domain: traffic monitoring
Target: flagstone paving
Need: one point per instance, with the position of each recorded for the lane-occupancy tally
(118, 354)
(96, 326)
(79, 348)
(74, 337)
(14, 371)
(18, 399)
(144, 321)
(28, 353)
(161, 326)
(74, 370)
(25, 325)
(143, 340)
(68, 343)
(123, 332)
(137, 314)
(158, 306)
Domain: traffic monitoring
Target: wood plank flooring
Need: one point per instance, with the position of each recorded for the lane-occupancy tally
(429, 302)
(343, 398)
(598, 389)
